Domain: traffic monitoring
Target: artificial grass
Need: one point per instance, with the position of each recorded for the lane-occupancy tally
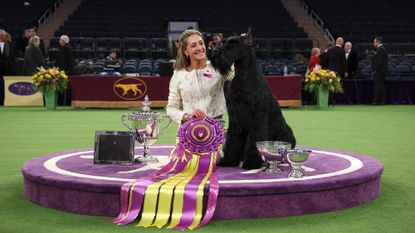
(384, 132)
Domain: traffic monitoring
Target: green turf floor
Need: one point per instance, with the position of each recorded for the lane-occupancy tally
(384, 132)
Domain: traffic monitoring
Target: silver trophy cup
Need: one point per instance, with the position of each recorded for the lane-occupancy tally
(146, 126)
(297, 158)
(272, 152)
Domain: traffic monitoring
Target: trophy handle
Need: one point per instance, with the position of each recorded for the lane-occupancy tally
(168, 125)
(123, 116)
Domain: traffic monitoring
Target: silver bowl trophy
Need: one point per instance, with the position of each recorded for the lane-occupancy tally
(146, 125)
(297, 158)
(272, 152)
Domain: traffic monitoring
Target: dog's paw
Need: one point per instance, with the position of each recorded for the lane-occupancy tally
(249, 165)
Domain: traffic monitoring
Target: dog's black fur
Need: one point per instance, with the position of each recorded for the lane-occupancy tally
(254, 113)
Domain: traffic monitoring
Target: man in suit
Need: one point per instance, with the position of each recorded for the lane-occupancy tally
(351, 60)
(6, 60)
(380, 69)
(64, 58)
(23, 42)
(335, 58)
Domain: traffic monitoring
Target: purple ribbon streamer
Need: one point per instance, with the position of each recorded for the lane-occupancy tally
(140, 188)
(212, 200)
(189, 201)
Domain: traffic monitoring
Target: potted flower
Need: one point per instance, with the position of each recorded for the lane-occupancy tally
(49, 81)
(321, 81)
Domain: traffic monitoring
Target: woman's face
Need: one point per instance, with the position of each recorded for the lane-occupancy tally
(37, 43)
(195, 48)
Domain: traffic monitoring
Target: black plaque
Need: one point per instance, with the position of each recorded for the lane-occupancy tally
(114, 147)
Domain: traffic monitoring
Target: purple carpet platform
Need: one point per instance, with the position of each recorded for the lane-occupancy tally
(333, 180)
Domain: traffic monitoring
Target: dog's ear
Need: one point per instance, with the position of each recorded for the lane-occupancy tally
(248, 37)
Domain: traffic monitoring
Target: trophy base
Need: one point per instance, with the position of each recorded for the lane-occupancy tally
(273, 170)
(296, 174)
(273, 167)
(146, 159)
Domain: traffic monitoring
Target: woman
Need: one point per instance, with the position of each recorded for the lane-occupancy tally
(314, 59)
(196, 89)
(32, 57)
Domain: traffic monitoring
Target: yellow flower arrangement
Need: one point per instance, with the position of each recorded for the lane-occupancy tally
(50, 79)
(323, 79)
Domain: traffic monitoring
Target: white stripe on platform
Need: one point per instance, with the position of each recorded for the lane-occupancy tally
(51, 165)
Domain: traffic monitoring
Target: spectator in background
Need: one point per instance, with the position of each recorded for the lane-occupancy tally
(314, 59)
(380, 69)
(33, 57)
(351, 60)
(6, 60)
(112, 65)
(23, 42)
(215, 42)
(6, 53)
(64, 58)
(83, 67)
(335, 59)
(323, 56)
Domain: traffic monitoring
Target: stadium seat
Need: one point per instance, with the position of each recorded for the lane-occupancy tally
(135, 47)
(159, 48)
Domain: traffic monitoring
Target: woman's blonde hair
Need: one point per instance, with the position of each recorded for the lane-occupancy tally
(315, 51)
(33, 40)
(181, 60)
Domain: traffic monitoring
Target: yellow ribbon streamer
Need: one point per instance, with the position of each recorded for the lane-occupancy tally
(130, 195)
(179, 193)
(166, 195)
(150, 200)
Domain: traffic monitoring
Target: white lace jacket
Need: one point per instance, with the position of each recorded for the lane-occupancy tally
(198, 89)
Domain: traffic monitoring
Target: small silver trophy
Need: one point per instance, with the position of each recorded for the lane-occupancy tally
(297, 158)
(146, 104)
(272, 152)
(146, 126)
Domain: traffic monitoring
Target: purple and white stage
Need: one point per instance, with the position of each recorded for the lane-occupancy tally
(334, 180)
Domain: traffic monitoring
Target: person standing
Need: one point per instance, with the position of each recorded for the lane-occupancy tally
(351, 59)
(64, 61)
(6, 54)
(23, 42)
(314, 59)
(380, 69)
(64, 58)
(33, 57)
(335, 59)
(6, 60)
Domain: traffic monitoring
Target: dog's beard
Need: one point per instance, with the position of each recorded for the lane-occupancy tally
(222, 65)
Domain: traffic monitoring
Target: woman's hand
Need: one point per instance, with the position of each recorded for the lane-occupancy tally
(196, 113)
(199, 114)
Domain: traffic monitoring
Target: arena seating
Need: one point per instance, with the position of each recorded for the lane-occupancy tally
(361, 21)
(139, 37)
(132, 22)
(148, 19)
(15, 15)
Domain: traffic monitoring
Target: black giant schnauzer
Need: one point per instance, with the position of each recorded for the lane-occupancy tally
(254, 113)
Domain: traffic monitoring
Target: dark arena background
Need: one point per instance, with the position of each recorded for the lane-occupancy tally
(360, 174)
